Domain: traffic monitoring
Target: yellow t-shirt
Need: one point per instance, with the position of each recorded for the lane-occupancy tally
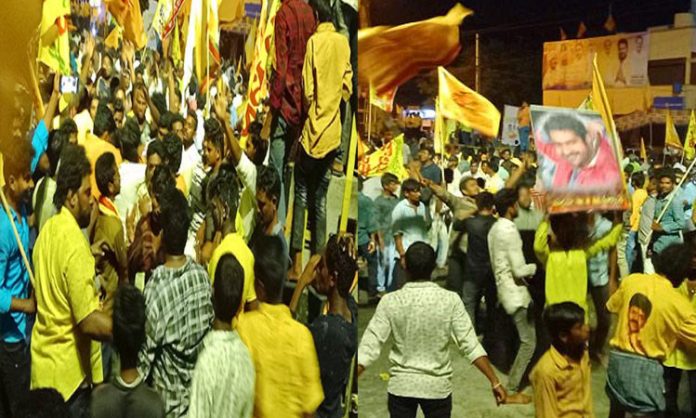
(288, 381)
(62, 357)
(234, 244)
(639, 197)
(653, 316)
(681, 358)
(561, 388)
(94, 148)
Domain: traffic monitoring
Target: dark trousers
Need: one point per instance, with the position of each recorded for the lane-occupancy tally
(78, 404)
(400, 407)
(477, 284)
(600, 296)
(312, 179)
(372, 265)
(455, 275)
(672, 379)
(14, 376)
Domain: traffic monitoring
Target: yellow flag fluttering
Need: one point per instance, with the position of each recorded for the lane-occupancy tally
(383, 101)
(390, 56)
(388, 159)
(672, 141)
(56, 55)
(643, 152)
(690, 142)
(128, 16)
(114, 37)
(464, 105)
(600, 103)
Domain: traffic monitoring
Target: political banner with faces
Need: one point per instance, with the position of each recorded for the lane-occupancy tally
(622, 60)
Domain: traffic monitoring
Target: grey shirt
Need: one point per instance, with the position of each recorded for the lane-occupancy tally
(647, 214)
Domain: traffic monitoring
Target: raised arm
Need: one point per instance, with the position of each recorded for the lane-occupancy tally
(606, 242)
(541, 242)
(220, 108)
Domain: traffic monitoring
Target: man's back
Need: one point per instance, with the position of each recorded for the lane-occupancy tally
(422, 318)
(384, 205)
(179, 311)
(120, 399)
(477, 229)
(288, 382)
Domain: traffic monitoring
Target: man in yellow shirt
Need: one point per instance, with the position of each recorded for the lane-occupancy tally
(288, 382)
(561, 378)
(640, 195)
(223, 204)
(327, 80)
(99, 143)
(652, 318)
(63, 355)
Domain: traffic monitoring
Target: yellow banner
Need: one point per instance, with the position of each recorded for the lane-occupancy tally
(56, 55)
(643, 152)
(260, 68)
(388, 159)
(690, 142)
(671, 136)
(464, 105)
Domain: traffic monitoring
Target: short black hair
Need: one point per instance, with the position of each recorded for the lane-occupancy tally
(492, 163)
(174, 149)
(565, 122)
(388, 178)
(623, 41)
(42, 403)
(138, 86)
(132, 125)
(166, 120)
(410, 185)
(269, 266)
(485, 200)
(341, 263)
(175, 220)
(103, 120)
(481, 182)
(505, 199)
(214, 134)
(224, 187)
(420, 261)
(228, 288)
(560, 318)
(260, 144)
(118, 105)
(162, 180)
(195, 119)
(465, 180)
(159, 101)
(17, 157)
(129, 142)
(638, 179)
(674, 262)
(105, 171)
(157, 148)
(323, 10)
(666, 172)
(73, 168)
(268, 181)
(56, 143)
(129, 323)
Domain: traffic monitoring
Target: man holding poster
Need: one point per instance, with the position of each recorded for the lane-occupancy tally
(575, 152)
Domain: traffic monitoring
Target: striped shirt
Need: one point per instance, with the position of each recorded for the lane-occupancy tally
(179, 310)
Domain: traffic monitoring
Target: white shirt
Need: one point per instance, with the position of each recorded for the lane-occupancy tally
(423, 319)
(454, 186)
(132, 176)
(508, 263)
(247, 203)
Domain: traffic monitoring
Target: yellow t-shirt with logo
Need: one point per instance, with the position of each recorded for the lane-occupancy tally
(653, 316)
(62, 357)
(681, 357)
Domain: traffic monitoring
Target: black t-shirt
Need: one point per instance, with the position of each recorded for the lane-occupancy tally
(336, 342)
(477, 228)
(116, 400)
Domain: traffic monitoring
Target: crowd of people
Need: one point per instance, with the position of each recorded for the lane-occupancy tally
(144, 266)
(508, 262)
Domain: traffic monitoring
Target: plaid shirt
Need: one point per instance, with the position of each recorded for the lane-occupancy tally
(294, 24)
(179, 313)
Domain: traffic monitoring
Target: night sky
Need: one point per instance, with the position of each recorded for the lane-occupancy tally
(513, 33)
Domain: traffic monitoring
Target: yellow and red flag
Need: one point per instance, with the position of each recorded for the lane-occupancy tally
(643, 152)
(384, 101)
(56, 55)
(390, 56)
(388, 159)
(459, 102)
(690, 142)
(128, 16)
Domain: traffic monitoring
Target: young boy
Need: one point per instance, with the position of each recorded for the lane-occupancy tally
(384, 206)
(561, 378)
(224, 377)
(409, 224)
(128, 395)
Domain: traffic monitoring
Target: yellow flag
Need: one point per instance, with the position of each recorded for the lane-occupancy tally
(643, 152)
(689, 148)
(672, 140)
(388, 159)
(463, 104)
(600, 103)
(382, 101)
(113, 39)
(56, 55)
(2, 173)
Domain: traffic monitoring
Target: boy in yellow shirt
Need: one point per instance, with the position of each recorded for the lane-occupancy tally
(561, 378)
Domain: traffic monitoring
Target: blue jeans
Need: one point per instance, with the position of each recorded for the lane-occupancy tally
(282, 137)
(523, 132)
(312, 179)
(631, 250)
(386, 267)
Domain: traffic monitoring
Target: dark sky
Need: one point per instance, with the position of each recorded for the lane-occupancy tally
(523, 25)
